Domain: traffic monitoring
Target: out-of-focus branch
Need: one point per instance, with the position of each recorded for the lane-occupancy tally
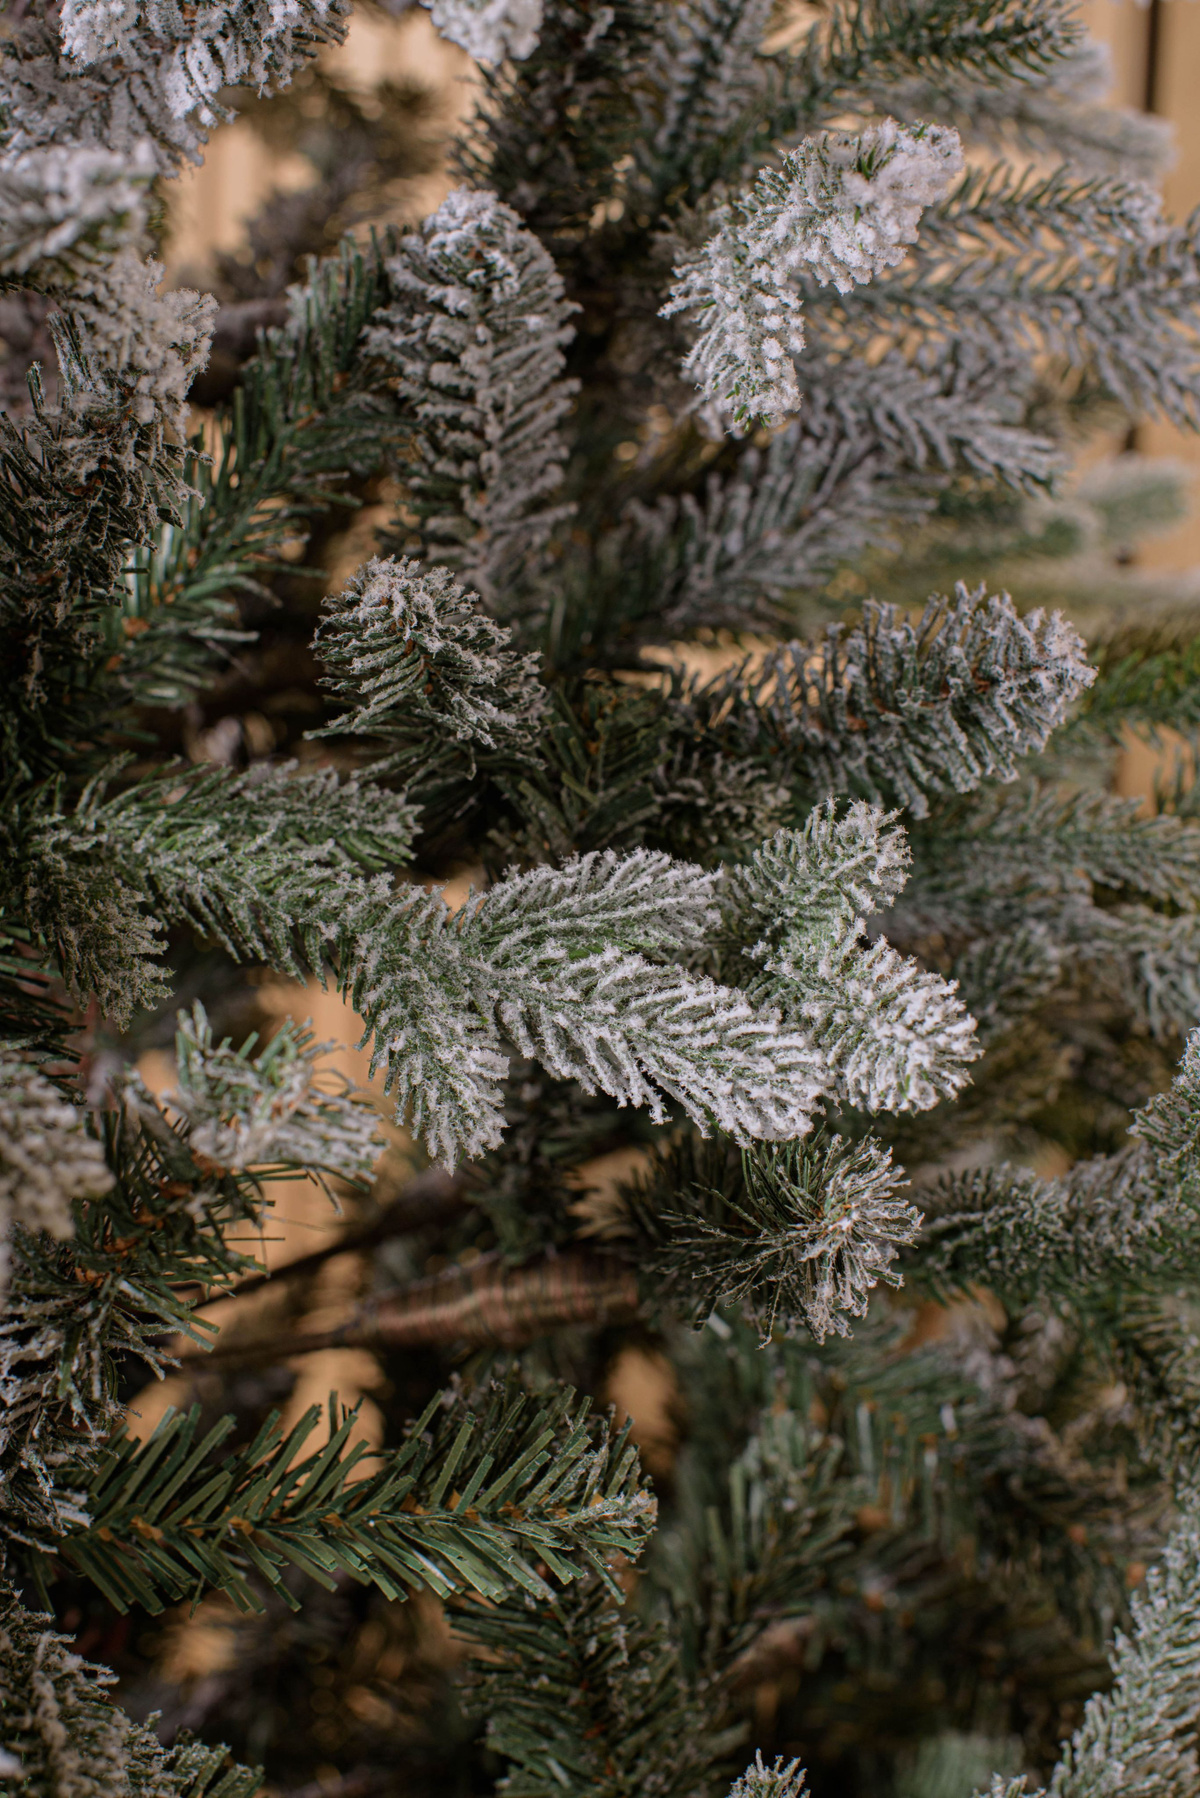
(473, 1306)
(429, 1197)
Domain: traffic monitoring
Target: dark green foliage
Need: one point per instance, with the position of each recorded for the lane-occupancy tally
(476, 1498)
(585, 1697)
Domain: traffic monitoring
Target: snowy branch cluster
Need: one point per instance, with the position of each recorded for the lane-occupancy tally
(840, 208)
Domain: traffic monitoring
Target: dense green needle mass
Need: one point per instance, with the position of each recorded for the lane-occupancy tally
(698, 777)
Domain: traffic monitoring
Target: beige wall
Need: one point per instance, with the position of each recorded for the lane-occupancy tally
(1126, 29)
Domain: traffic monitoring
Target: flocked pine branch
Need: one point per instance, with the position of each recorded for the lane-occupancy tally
(782, 1780)
(1117, 1218)
(840, 209)
(61, 1735)
(471, 345)
(795, 1235)
(893, 1036)
(195, 55)
(247, 1113)
(48, 1157)
(1140, 1736)
(489, 30)
(410, 654)
(157, 1226)
(902, 711)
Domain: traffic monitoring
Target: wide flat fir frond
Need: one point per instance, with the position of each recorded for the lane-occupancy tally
(839, 209)
(471, 344)
(542, 959)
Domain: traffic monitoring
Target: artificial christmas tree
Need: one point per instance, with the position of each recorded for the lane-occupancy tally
(825, 946)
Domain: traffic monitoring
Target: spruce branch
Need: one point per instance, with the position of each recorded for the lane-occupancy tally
(1116, 1217)
(48, 1158)
(893, 1036)
(788, 1236)
(840, 209)
(408, 651)
(471, 345)
(583, 1697)
(474, 1499)
(899, 712)
(159, 1229)
(1140, 1736)
(489, 30)
(65, 207)
(61, 1736)
(999, 49)
(778, 1781)
(195, 55)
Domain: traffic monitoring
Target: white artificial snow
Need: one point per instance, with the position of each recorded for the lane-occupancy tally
(840, 209)
(492, 31)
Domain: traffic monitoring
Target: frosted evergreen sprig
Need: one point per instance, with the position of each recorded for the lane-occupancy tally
(62, 207)
(901, 711)
(703, 74)
(794, 1234)
(148, 345)
(782, 1780)
(244, 859)
(212, 46)
(61, 1735)
(48, 1160)
(1141, 1735)
(557, 964)
(1122, 1215)
(840, 209)
(243, 1111)
(1169, 1124)
(471, 344)
(894, 1036)
(409, 651)
(489, 30)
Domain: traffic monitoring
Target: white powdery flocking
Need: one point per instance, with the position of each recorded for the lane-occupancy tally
(205, 48)
(491, 31)
(61, 199)
(242, 1113)
(840, 209)
(148, 343)
(47, 1159)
